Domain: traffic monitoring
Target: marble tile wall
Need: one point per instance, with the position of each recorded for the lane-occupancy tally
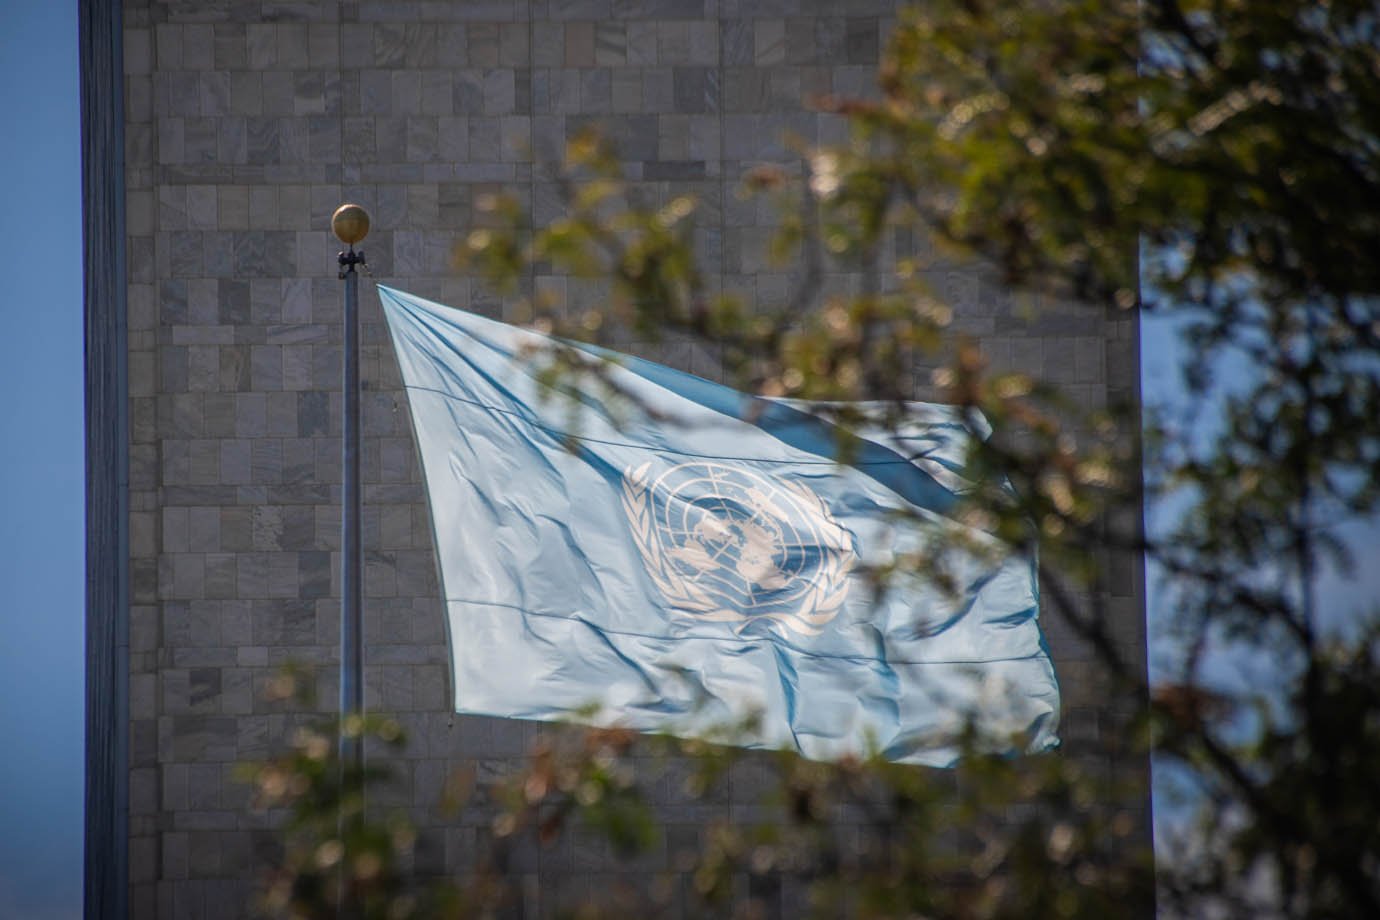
(247, 123)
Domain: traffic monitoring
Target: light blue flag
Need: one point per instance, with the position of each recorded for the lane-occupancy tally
(684, 555)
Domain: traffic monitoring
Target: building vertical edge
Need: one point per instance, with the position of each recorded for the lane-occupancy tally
(107, 480)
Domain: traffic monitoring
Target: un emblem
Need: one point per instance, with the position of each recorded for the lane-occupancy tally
(731, 545)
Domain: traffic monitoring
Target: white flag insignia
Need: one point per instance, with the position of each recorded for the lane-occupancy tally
(729, 544)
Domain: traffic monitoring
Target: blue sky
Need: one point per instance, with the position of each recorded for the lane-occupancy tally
(41, 465)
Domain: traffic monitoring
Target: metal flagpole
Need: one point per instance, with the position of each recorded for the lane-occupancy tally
(351, 224)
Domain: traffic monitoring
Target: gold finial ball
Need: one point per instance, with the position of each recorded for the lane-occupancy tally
(350, 223)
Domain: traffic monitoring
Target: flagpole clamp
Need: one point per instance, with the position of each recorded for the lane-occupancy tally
(349, 259)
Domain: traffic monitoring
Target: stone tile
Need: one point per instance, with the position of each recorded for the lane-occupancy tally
(313, 414)
(299, 460)
(246, 93)
(262, 140)
(579, 44)
(642, 44)
(437, 92)
(394, 41)
(138, 51)
(696, 90)
(610, 44)
(202, 367)
(862, 40)
(138, 108)
(452, 44)
(626, 91)
(261, 46)
(167, 44)
(314, 574)
(200, 140)
(214, 93)
(658, 90)
(483, 44)
(548, 44)
(421, 139)
(596, 91)
(375, 92)
(769, 42)
(234, 466)
(556, 91)
(196, 737)
(232, 141)
(201, 207)
(498, 92)
(323, 46)
(580, 9)
(310, 92)
(468, 93)
(229, 47)
(514, 45)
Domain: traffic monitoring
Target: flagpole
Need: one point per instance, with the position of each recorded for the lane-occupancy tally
(350, 223)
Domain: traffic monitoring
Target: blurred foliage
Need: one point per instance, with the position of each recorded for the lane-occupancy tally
(855, 838)
(1212, 162)
(334, 852)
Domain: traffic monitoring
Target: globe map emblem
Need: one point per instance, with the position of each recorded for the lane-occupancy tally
(731, 544)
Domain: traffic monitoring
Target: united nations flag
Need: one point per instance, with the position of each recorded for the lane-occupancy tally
(685, 556)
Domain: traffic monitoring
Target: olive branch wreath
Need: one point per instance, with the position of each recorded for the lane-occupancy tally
(819, 606)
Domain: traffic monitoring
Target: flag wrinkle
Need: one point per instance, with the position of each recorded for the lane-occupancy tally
(746, 643)
(684, 576)
(555, 433)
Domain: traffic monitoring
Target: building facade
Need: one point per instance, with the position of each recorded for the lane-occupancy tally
(219, 137)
